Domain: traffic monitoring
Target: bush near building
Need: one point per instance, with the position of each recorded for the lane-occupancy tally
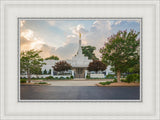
(23, 80)
(132, 78)
(109, 76)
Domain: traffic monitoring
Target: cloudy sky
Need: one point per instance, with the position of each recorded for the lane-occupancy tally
(60, 37)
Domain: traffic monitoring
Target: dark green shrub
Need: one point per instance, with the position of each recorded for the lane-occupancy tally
(133, 78)
(42, 83)
(102, 83)
(61, 78)
(56, 78)
(71, 77)
(49, 77)
(45, 71)
(124, 80)
(67, 77)
(23, 81)
(109, 76)
(88, 76)
(115, 80)
(106, 83)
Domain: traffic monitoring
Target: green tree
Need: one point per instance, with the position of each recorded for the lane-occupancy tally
(45, 72)
(52, 58)
(31, 62)
(121, 51)
(88, 51)
(62, 66)
(96, 65)
(49, 72)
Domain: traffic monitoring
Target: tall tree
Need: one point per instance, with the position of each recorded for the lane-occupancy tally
(121, 51)
(96, 65)
(31, 62)
(52, 58)
(62, 66)
(88, 51)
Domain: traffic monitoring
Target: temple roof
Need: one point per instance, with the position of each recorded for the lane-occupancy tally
(79, 60)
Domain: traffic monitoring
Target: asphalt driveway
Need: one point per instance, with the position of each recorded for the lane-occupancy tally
(78, 93)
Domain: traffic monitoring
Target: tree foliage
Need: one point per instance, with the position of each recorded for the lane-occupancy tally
(121, 51)
(49, 72)
(45, 72)
(62, 66)
(96, 65)
(52, 58)
(31, 62)
(88, 51)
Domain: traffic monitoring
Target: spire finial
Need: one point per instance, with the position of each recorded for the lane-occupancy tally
(79, 35)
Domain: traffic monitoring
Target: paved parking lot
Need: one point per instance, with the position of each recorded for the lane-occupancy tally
(78, 93)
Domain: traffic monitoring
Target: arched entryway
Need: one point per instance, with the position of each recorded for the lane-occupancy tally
(79, 72)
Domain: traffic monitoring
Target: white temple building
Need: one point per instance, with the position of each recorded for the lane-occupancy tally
(79, 64)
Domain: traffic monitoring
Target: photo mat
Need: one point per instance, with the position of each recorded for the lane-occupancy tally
(78, 29)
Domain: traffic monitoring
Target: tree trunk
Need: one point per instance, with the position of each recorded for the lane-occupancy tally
(118, 76)
(29, 76)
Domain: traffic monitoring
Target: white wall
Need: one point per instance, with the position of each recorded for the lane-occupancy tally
(97, 76)
(35, 76)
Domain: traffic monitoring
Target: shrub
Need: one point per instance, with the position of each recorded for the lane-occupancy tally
(115, 80)
(123, 80)
(71, 77)
(106, 83)
(49, 77)
(42, 83)
(88, 76)
(102, 83)
(56, 78)
(61, 78)
(109, 76)
(23, 81)
(133, 78)
(67, 77)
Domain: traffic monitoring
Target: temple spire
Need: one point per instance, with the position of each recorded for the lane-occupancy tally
(79, 39)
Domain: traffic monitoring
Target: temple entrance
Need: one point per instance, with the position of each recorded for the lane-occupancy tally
(79, 73)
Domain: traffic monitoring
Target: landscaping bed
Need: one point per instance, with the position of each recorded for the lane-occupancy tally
(121, 84)
(34, 84)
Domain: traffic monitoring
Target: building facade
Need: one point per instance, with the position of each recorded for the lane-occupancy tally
(79, 64)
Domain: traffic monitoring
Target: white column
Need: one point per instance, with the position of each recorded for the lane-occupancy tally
(52, 72)
(86, 71)
(73, 73)
(106, 71)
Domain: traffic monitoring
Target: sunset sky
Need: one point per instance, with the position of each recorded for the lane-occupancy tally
(60, 37)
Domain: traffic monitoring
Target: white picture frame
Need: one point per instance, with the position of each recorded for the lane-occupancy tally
(147, 109)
